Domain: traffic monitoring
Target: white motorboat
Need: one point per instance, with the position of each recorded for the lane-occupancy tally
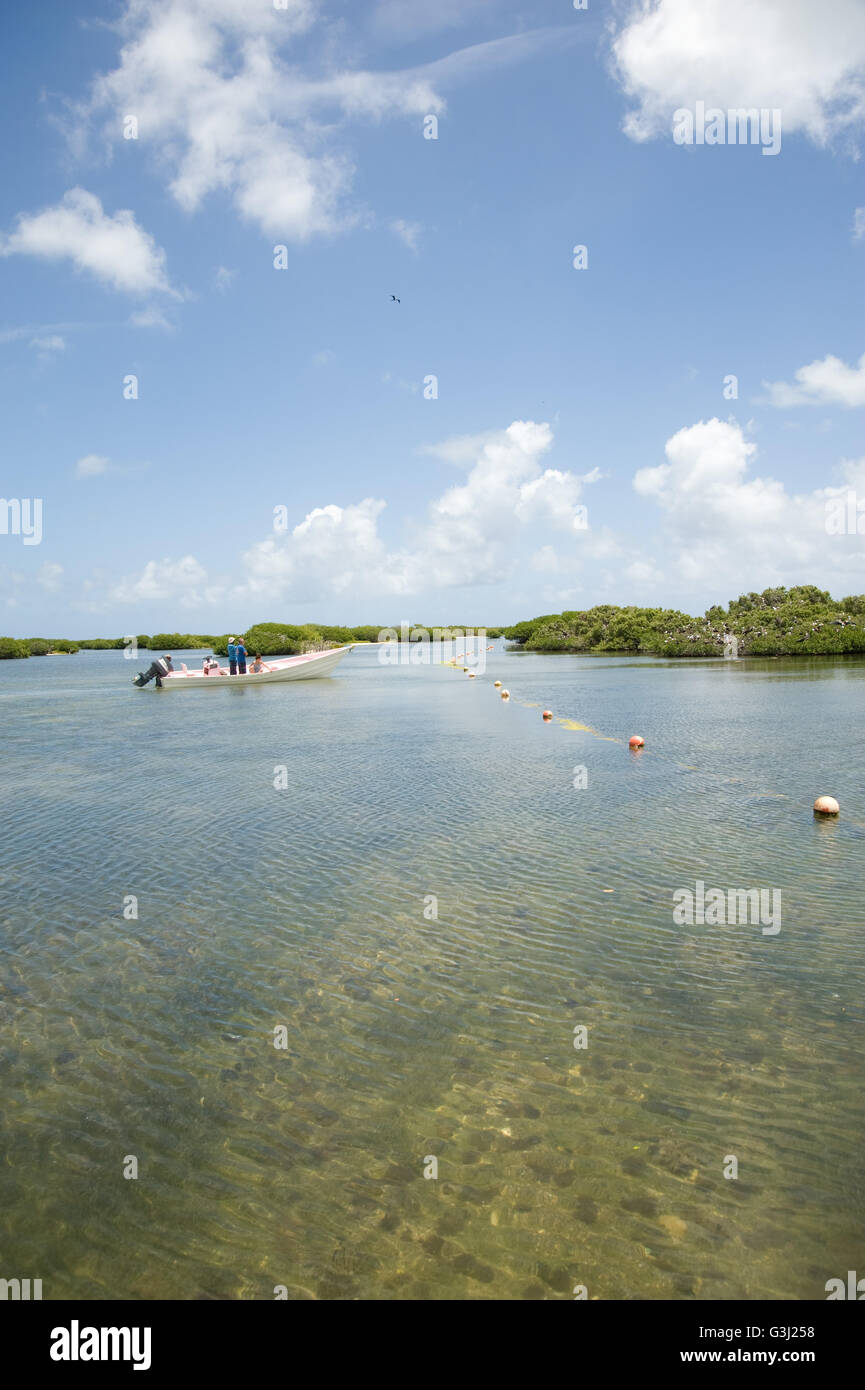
(308, 666)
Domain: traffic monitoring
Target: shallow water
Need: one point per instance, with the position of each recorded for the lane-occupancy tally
(410, 1037)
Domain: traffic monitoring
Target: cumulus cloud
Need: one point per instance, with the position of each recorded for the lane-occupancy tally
(552, 498)
(469, 535)
(473, 526)
(184, 581)
(720, 520)
(826, 382)
(224, 111)
(114, 249)
(333, 551)
(221, 101)
(806, 60)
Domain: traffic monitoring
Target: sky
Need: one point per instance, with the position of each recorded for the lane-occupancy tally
(369, 312)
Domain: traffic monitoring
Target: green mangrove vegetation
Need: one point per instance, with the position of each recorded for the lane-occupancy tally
(803, 621)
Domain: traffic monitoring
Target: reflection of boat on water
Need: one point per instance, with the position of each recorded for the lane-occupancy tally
(286, 668)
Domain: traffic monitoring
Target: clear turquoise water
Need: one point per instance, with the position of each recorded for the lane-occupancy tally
(410, 1037)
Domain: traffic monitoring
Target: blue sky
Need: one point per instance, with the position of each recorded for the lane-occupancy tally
(580, 448)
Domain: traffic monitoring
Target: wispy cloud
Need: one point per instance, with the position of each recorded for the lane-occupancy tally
(36, 331)
(151, 317)
(408, 232)
(223, 279)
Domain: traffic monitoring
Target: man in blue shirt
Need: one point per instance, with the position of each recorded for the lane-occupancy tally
(241, 657)
(232, 656)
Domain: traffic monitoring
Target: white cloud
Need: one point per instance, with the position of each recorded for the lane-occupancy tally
(324, 358)
(92, 466)
(859, 224)
(721, 522)
(333, 551)
(114, 249)
(408, 232)
(470, 535)
(462, 449)
(552, 498)
(182, 581)
(223, 105)
(826, 382)
(467, 64)
(806, 60)
(224, 112)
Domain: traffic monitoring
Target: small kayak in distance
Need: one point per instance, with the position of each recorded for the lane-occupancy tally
(308, 666)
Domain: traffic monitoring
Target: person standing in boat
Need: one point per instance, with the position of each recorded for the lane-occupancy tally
(232, 656)
(241, 657)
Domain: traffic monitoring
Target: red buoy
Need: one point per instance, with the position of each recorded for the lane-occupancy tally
(635, 741)
(548, 714)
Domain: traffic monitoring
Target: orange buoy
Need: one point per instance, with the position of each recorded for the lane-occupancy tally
(635, 741)
(548, 714)
(506, 694)
(497, 684)
(826, 806)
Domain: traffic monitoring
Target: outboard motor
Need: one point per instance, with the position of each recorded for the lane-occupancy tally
(157, 670)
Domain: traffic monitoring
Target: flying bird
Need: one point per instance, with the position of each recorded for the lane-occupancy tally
(395, 300)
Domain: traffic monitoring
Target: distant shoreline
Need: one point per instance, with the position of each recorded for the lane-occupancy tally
(803, 621)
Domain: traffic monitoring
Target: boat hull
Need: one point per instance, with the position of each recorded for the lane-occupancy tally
(293, 668)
